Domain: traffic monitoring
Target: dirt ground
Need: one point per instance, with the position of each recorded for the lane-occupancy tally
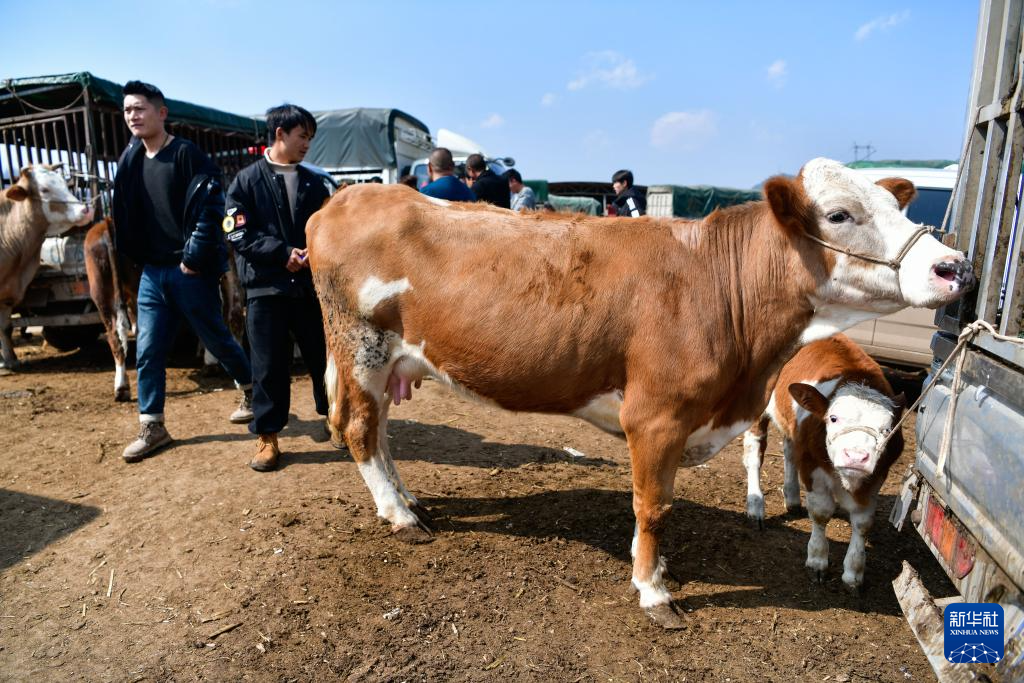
(190, 566)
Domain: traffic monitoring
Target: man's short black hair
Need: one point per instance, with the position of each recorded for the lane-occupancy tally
(513, 174)
(147, 90)
(288, 116)
(475, 162)
(623, 176)
(441, 159)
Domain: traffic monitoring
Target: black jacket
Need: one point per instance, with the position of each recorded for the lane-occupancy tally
(203, 248)
(260, 228)
(492, 188)
(626, 208)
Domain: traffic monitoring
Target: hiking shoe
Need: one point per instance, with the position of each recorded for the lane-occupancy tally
(243, 413)
(267, 453)
(152, 437)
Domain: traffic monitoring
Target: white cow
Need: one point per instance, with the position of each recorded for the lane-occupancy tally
(38, 202)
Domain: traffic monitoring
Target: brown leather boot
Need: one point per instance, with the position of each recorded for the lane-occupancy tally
(267, 453)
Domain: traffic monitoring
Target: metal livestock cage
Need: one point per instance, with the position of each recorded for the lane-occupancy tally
(76, 120)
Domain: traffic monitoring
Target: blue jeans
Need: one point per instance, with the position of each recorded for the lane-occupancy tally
(166, 295)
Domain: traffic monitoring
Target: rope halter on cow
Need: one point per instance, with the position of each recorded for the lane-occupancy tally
(870, 431)
(891, 263)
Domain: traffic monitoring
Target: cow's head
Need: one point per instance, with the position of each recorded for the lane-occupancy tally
(881, 261)
(857, 420)
(45, 186)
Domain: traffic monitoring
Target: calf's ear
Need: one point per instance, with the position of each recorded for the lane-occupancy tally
(809, 398)
(789, 204)
(900, 188)
(16, 193)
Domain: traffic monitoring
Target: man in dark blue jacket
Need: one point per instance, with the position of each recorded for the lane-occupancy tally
(268, 205)
(167, 208)
(444, 184)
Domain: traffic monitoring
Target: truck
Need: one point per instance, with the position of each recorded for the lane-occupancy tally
(75, 119)
(964, 494)
(364, 144)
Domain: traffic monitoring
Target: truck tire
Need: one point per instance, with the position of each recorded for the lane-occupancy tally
(71, 337)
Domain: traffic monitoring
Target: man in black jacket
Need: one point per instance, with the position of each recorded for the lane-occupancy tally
(487, 186)
(268, 205)
(629, 202)
(167, 208)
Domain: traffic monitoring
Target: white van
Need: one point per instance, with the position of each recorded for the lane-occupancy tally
(904, 338)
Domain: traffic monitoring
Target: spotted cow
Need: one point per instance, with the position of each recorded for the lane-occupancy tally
(669, 333)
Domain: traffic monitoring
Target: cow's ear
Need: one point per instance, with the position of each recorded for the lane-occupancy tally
(789, 204)
(809, 398)
(901, 188)
(900, 400)
(16, 193)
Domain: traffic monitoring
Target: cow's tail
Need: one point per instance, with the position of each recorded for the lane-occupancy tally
(122, 324)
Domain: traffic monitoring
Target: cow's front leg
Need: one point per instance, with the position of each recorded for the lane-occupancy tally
(755, 442)
(655, 447)
(9, 360)
(791, 481)
(820, 506)
(861, 519)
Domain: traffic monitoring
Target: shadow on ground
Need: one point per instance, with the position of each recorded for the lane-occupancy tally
(30, 523)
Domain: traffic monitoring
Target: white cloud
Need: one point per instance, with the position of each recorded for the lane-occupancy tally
(683, 129)
(492, 121)
(777, 73)
(597, 139)
(611, 70)
(882, 23)
(548, 99)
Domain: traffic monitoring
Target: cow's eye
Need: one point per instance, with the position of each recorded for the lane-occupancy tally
(839, 217)
(833, 419)
(885, 432)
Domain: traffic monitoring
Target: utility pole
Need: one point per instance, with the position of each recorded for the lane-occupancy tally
(868, 151)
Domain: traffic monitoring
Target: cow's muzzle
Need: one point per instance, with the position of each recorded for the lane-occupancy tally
(958, 273)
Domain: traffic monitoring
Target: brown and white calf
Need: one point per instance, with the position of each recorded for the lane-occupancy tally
(39, 202)
(670, 333)
(834, 408)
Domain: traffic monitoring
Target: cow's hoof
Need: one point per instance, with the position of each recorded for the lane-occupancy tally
(817, 575)
(413, 535)
(795, 510)
(666, 616)
(426, 521)
(123, 395)
(755, 511)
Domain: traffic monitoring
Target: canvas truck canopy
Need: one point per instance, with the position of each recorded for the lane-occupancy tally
(694, 201)
(23, 96)
(903, 163)
(364, 138)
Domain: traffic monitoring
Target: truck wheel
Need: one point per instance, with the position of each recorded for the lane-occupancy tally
(71, 337)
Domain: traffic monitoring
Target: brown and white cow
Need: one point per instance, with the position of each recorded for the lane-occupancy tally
(668, 332)
(834, 408)
(38, 202)
(114, 288)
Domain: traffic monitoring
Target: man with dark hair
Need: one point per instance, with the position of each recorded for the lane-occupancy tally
(268, 205)
(167, 209)
(629, 202)
(486, 185)
(522, 196)
(443, 183)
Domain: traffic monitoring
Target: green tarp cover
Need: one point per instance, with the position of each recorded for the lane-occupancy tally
(697, 201)
(587, 205)
(55, 92)
(540, 189)
(356, 138)
(902, 163)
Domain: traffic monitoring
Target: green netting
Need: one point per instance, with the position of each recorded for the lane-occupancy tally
(20, 96)
(697, 201)
(902, 163)
(587, 205)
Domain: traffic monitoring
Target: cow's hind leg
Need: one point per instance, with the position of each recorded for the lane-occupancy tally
(356, 386)
(755, 442)
(8, 361)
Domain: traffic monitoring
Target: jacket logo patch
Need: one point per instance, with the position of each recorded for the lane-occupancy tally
(240, 220)
(228, 224)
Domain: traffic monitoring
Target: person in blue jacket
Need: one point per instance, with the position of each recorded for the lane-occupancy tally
(444, 184)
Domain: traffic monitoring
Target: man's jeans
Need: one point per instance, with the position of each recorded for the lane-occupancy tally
(166, 295)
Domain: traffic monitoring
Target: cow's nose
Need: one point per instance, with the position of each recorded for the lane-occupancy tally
(856, 456)
(959, 272)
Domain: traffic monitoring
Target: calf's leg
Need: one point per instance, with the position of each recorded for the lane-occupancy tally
(755, 442)
(10, 361)
(820, 506)
(861, 519)
(790, 482)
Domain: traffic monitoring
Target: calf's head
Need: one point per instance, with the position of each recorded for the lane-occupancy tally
(44, 187)
(880, 261)
(856, 420)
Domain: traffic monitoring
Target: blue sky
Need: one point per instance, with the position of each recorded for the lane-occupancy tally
(723, 93)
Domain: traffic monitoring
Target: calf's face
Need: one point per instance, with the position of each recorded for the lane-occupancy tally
(44, 185)
(856, 421)
(866, 218)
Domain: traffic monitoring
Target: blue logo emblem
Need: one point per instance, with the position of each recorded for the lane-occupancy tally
(974, 633)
